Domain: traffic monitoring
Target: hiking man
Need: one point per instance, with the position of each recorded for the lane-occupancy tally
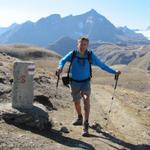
(80, 75)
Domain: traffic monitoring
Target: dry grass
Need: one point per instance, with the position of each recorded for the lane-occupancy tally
(27, 51)
(131, 78)
(142, 62)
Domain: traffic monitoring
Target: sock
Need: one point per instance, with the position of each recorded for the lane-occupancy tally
(86, 121)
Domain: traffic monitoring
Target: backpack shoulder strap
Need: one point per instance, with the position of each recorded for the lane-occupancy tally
(90, 61)
(90, 56)
(72, 57)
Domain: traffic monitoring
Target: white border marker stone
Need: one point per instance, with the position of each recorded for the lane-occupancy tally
(23, 72)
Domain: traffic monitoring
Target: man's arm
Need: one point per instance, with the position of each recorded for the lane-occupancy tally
(62, 62)
(96, 61)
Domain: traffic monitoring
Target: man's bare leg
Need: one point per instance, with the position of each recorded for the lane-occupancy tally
(79, 120)
(86, 106)
(78, 107)
(86, 114)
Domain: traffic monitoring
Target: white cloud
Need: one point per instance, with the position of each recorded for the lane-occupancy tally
(146, 33)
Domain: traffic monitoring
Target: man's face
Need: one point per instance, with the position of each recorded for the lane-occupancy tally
(82, 45)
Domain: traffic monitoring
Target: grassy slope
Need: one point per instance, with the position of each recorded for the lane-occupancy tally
(27, 51)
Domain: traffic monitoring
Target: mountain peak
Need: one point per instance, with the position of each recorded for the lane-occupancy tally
(55, 15)
(92, 12)
(148, 28)
(13, 25)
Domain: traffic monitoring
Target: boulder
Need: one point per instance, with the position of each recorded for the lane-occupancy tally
(64, 129)
(35, 118)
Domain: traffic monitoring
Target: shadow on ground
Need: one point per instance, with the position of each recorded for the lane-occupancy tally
(70, 142)
(120, 142)
(57, 137)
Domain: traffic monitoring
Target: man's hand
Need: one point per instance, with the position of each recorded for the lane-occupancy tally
(117, 74)
(58, 71)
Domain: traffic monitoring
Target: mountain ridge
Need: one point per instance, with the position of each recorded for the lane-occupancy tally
(49, 29)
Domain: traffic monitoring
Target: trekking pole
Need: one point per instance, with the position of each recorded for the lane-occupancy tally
(57, 83)
(110, 109)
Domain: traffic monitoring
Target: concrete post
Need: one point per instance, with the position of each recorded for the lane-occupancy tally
(23, 72)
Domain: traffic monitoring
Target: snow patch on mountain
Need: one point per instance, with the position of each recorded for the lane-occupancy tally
(90, 20)
(146, 33)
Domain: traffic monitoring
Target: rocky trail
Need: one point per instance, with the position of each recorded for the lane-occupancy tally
(125, 128)
(128, 124)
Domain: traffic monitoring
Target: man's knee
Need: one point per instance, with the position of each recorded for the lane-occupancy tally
(85, 96)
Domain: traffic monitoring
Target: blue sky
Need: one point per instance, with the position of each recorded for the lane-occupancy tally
(133, 13)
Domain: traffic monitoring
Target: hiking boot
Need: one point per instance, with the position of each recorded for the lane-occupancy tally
(78, 121)
(85, 129)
